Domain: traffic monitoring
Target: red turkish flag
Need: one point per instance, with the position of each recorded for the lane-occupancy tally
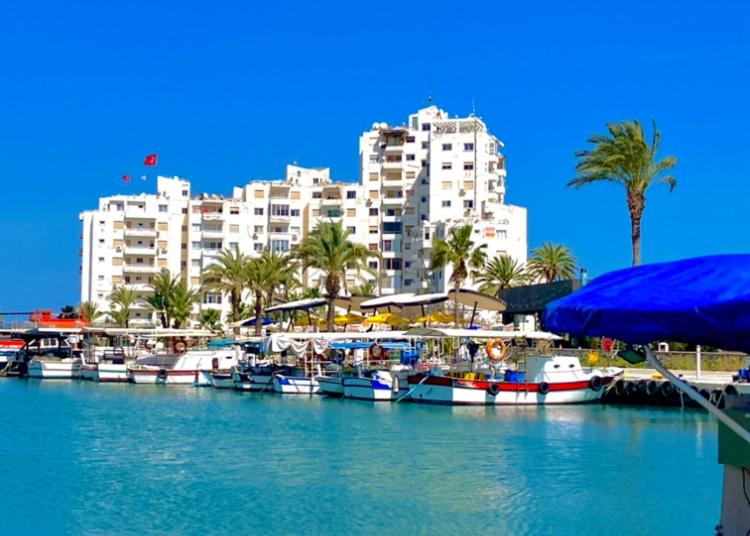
(150, 160)
(126, 178)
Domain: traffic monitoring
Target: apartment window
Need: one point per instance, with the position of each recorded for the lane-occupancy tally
(184, 210)
(212, 297)
(446, 185)
(234, 210)
(392, 227)
(258, 229)
(409, 210)
(374, 176)
(279, 245)
(387, 245)
(373, 212)
(392, 264)
(279, 210)
(195, 245)
(294, 212)
(277, 229)
(502, 234)
(446, 165)
(423, 199)
(468, 203)
(373, 247)
(100, 278)
(447, 147)
(234, 245)
(410, 157)
(468, 166)
(423, 217)
(185, 193)
(425, 145)
(317, 195)
(334, 213)
(101, 241)
(163, 208)
(373, 265)
(425, 126)
(234, 228)
(468, 146)
(258, 247)
(196, 227)
(183, 246)
(351, 230)
(373, 158)
(407, 282)
(101, 259)
(373, 229)
(407, 264)
(195, 263)
(409, 139)
(427, 235)
(446, 203)
(410, 175)
(393, 212)
(373, 194)
(258, 211)
(351, 194)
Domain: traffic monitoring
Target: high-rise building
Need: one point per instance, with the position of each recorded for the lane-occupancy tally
(417, 181)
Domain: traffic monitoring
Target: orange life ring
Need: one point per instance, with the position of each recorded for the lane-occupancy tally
(179, 346)
(497, 350)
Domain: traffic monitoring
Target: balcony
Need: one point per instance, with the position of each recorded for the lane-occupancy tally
(140, 231)
(212, 233)
(393, 200)
(139, 287)
(140, 268)
(139, 250)
(213, 216)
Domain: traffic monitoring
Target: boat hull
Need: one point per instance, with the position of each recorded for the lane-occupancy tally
(112, 373)
(330, 386)
(295, 385)
(163, 377)
(369, 389)
(222, 380)
(54, 370)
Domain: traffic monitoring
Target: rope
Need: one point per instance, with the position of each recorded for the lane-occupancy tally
(410, 391)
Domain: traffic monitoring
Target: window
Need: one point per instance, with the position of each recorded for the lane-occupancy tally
(393, 212)
(183, 245)
(258, 229)
(425, 126)
(446, 185)
(234, 210)
(101, 241)
(351, 230)
(407, 282)
(373, 212)
(279, 210)
(410, 175)
(446, 203)
(502, 234)
(212, 297)
(334, 213)
(163, 208)
(446, 165)
(468, 146)
(424, 163)
(373, 194)
(373, 229)
(279, 245)
(468, 203)
(234, 228)
(409, 139)
(373, 265)
(447, 147)
(195, 245)
(425, 145)
(277, 229)
(185, 193)
(351, 194)
(258, 211)
(410, 157)
(184, 210)
(374, 176)
(100, 278)
(317, 195)
(427, 235)
(234, 245)
(257, 246)
(468, 165)
(392, 264)
(101, 259)
(407, 264)
(373, 158)
(387, 245)
(294, 212)
(373, 247)
(195, 263)
(423, 217)
(196, 227)
(392, 227)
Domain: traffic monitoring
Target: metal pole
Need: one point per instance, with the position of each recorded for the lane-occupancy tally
(473, 313)
(698, 362)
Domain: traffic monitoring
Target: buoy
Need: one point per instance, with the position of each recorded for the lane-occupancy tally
(493, 389)
(651, 387)
(667, 389)
(543, 388)
(619, 388)
(162, 374)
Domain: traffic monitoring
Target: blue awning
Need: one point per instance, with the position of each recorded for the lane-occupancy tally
(251, 322)
(705, 300)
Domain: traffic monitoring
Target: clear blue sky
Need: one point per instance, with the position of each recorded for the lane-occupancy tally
(229, 91)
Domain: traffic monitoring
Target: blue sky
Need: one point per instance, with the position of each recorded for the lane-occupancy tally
(229, 91)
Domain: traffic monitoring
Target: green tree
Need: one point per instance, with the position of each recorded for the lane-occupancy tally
(279, 274)
(500, 273)
(363, 289)
(550, 262)
(229, 276)
(181, 303)
(458, 250)
(164, 285)
(624, 156)
(89, 311)
(123, 298)
(328, 249)
(210, 319)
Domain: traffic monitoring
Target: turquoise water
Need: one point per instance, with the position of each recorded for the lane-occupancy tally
(81, 458)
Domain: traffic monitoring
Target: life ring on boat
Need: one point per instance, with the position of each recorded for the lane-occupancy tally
(376, 352)
(543, 388)
(493, 389)
(596, 383)
(179, 346)
(162, 374)
(496, 349)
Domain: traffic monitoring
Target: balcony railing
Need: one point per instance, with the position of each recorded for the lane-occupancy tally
(139, 231)
(139, 250)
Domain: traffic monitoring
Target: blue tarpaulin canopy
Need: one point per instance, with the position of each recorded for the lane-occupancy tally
(265, 321)
(705, 300)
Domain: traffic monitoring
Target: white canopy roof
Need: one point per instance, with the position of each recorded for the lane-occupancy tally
(339, 335)
(151, 332)
(297, 305)
(479, 334)
(480, 300)
(405, 299)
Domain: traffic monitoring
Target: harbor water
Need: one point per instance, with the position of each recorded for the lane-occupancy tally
(82, 458)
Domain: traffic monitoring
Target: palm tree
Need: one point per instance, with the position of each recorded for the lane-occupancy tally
(89, 311)
(624, 156)
(181, 303)
(279, 271)
(210, 319)
(500, 273)
(256, 281)
(328, 249)
(550, 262)
(163, 285)
(363, 289)
(228, 275)
(124, 298)
(459, 251)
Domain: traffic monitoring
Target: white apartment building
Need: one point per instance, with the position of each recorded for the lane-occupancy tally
(417, 181)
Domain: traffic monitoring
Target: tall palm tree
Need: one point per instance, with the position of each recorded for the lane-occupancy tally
(500, 273)
(89, 311)
(210, 319)
(328, 249)
(124, 298)
(228, 275)
(181, 303)
(163, 285)
(550, 262)
(624, 156)
(256, 281)
(459, 251)
(363, 289)
(279, 272)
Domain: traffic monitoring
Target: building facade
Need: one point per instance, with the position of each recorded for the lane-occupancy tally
(417, 181)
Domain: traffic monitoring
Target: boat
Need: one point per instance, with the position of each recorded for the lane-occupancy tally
(545, 380)
(193, 367)
(376, 385)
(54, 368)
(330, 385)
(260, 377)
(11, 351)
(295, 385)
(222, 379)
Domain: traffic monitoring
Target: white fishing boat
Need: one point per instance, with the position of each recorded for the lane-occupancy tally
(376, 385)
(189, 368)
(295, 385)
(260, 377)
(54, 368)
(222, 379)
(330, 385)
